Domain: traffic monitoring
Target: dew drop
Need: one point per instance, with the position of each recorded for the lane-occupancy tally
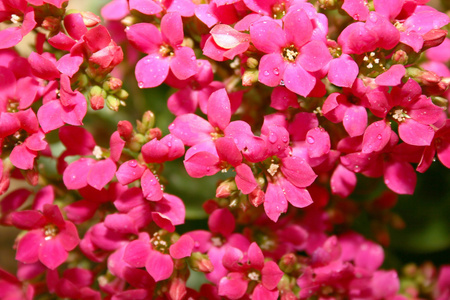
(282, 82)
(276, 71)
(169, 144)
(193, 57)
(132, 163)
(266, 73)
(379, 136)
(208, 169)
(172, 126)
(310, 140)
(272, 138)
(141, 84)
(285, 139)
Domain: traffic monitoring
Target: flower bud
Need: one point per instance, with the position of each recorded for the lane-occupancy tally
(209, 206)
(328, 4)
(249, 77)
(154, 133)
(113, 103)
(90, 19)
(200, 263)
(51, 23)
(433, 38)
(252, 63)
(97, 91)
(125, 129)
(177, 289)
(148, 122)
(256, 197)
(287, 262)
(400, 57)
(121, 94)
(112, 84)
(97, 102)
(225, 188)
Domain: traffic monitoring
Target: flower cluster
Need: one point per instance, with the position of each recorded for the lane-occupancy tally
(291, 106)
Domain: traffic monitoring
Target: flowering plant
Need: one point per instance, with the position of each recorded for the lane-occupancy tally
(274, 143)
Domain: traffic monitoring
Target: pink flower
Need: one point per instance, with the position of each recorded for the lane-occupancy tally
(249, 267)
(292, 56)
(164, 51)
(50, 237)
(17, 12)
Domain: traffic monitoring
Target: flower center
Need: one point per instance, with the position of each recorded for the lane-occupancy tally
(290, 53)
(372, 61)
(279, 10)
(399, 114)
(166, 50)
(50, 231)
(255, 276)
(158, 243)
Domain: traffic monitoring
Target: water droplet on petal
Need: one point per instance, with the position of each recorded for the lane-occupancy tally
(379, 136)
(132, 163)
(208, 169)
(310, 140)
(272, 138)
(282, 82)
(169, 144)
(276, 71)
(141, 84)
(193, 57)
(266, 73)
(285, 139)
(172, 126)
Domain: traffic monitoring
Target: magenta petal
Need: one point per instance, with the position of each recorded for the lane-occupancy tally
(121, 223)
(52, 254)
(233, 286)
(228, 151)
(222, 221)
(400, 177)
(49, 116)
(129, 172)
(314, 56)
(151, 71)
(151, 187)
(22, 157)
(28, 247)
(219, 112)
(391, 77)
(202, 164)
(298, 197)
(343, 181)
(282, 98)
(255, 256)
(385, 285)
(355, 120)
(101, 173)
(172, 28)
(227, 37)
(245, 180)
(298, 80)
(136, 253)
(182, 248)
(28, 219)
(68, 237)
(191, 129)
(412, 39)
(356, 9)
(10, 37)
(145, 7)
(376, 136)
(69, 64)
(369, 256)
(271, 275)
(43, 67)
(184, 63)
(271, 69)
(415, 133)
(75, 175)
(159, 266)
(74, 25)
(343, 71)
(297, 171)
(318, 142)
(262, 293)
(145, 37)
(259, 31)
(294, 20)
(116, 146)
(81, 211)
(182, 102)
(274, 203)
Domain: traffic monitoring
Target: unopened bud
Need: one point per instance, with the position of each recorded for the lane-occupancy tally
(32, 176)
(112, 84)
(90, 19)
(400, 57)
(97, 91)
(129, 20)
(328, 4)
(125, 129)
(148, 122)
(154, 133)
(433, 38)
(429, 78)
(200, 262)
(225, 188)
(177, 289)
(440, 101)
(256, 197)
(252, 63)
(97, 102)
(113, 103)
(51, 23)
(249, 77)
(121, 94)
(135, 142)
(288, 262)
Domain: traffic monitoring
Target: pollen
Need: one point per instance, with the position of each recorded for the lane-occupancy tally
(290, 53)
(253, 276)
(50, 231)
(399, 114)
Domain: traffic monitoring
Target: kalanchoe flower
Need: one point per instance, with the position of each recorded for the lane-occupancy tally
(246, 267)
(73, 284)
(292, 56)
(17, 12)
(164, 51)
(50, 237)
(14, 289)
